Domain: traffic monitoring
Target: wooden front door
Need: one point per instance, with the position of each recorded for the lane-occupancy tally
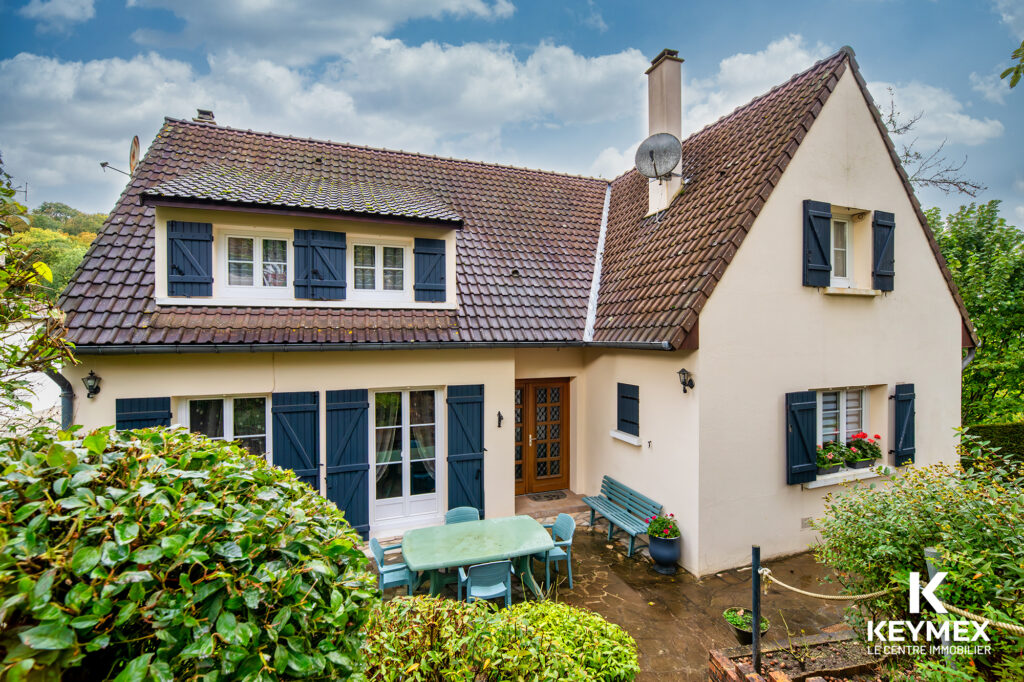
(542, 435)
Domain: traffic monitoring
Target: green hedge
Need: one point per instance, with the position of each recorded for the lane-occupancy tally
(1009, 438)
(426, 638)
(163, 555)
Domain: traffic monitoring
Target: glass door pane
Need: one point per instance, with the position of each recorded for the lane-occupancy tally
(206, 417)
(388, 444)
(422, 440)
(250, 424)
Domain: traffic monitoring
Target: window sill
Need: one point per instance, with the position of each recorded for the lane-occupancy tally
(847, 476)
(244, 302)
(625, 437)
(850, 291)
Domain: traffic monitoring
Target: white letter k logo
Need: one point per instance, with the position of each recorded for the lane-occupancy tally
(928, 592)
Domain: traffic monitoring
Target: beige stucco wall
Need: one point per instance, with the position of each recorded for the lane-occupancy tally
(195, 375)
(764, 334)
(665, 466)
(235, 222)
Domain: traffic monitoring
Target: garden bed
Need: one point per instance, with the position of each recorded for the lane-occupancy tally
(839, 656)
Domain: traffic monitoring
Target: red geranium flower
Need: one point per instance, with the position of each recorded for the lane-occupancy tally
(853, 449)
(877, 437)
(666, 531)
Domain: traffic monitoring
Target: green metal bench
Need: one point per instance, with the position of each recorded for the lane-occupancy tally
(623, 507)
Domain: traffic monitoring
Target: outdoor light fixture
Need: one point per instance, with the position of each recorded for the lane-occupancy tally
(686, 379)
(501, 418)
(92, 384)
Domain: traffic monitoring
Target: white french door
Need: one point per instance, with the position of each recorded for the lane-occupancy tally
(406, 474)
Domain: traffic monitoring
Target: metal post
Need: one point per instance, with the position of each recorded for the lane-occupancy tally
(755, 596)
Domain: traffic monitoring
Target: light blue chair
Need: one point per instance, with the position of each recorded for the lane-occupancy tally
(391, 575)
(487, 581)
(462, 514)
(562, 531)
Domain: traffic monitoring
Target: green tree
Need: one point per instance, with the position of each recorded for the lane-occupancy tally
(58, 217)
(31, 327)
(61, 252)
(1017, 70)
(986, 257)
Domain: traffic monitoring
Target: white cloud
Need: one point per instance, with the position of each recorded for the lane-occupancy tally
(594, 19)
(300, 33)
(1011, 12)
(992, 87)
(451, 100)
(611, 163)
(743, 76)
(1019, 212)
(58, 15)
(942, 114)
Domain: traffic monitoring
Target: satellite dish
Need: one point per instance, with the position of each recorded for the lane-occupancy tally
(133, 154)
(658, 155)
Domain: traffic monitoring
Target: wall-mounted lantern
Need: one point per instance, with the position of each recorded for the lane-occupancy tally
(92, 384)
(686, 379)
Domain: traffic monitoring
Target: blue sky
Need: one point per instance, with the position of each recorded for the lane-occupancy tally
(541, 84)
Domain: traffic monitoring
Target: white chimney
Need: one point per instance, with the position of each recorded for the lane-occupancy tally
(664, 115)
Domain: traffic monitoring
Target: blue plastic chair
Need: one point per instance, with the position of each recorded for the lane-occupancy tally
(391, 575)
(562, 531)
(462, 514)
(487, 581)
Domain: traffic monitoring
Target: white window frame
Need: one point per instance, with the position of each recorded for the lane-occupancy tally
(415, 508)
(257, 288)
(379, 293)
(229, 416)
(847, 281)
(865, 412)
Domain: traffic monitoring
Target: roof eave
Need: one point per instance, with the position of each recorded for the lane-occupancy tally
(246, 207)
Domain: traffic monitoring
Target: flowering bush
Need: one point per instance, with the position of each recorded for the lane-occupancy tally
(863, 447)
(831, 454)
(662, 526)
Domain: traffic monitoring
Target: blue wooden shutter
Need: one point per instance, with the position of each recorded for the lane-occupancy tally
(466, 447)
(628, 409)
(430, 270)
(138, 413)
(817, 243)
(883, 229)
(319, 265)
(801, 437)
(348, 456)
(296, 435)
(189, 259)
(904, 447)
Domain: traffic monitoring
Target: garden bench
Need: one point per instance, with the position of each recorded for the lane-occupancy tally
(623, 507)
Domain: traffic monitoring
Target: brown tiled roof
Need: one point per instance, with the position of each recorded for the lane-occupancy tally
(658, 271)
(525, 252)
(218, 183)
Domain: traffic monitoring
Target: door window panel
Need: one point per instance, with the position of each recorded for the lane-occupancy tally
(206, 417)
(250, 424)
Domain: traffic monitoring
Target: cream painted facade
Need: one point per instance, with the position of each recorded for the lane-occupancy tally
(714, 456)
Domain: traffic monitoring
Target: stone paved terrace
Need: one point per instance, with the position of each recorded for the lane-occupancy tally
(675, 633)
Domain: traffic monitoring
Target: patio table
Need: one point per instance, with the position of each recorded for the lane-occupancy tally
(476, 542)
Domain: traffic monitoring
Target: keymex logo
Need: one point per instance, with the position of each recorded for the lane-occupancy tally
(927, 637)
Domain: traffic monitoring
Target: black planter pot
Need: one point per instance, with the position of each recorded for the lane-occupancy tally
(861, 464)
(829, 470)
(666, 553)
(746, 637)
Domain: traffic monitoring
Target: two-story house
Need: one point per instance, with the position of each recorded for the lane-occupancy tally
(412, 333)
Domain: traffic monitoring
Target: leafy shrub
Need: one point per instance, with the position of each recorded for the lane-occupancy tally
(162, 554)
(1007, 440)
(428, 638)
(873, 537)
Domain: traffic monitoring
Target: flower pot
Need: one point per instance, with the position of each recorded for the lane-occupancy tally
(666, 552)
(860, 463)
(745, 637)
(829, 470)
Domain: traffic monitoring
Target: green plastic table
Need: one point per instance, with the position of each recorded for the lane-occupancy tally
(476, 542)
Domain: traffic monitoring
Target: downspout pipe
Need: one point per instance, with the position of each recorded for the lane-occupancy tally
(968, 358)
(67, 397)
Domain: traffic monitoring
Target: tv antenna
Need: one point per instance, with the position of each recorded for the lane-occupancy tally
(658, 155)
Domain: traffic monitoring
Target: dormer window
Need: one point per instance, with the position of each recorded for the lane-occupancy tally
(842, 253)
(257, 262)
(379, 270)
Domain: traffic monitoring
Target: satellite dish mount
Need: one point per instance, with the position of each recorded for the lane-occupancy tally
(658, 155)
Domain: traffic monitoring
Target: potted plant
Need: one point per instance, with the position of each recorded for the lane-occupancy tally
(862, 450)
(831, 457)
(665, 543)
(741, 621)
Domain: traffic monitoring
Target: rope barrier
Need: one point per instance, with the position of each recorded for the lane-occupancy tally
(1015, 629)
(767, 574)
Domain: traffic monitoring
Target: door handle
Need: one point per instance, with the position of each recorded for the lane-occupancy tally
(531, 439)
